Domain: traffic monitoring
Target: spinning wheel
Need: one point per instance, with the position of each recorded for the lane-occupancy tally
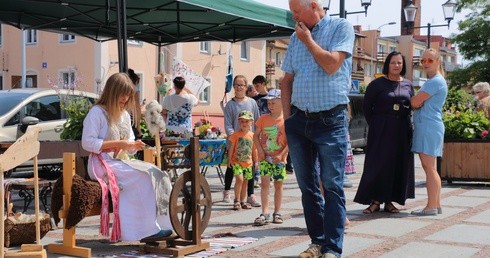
(181, 207)
(190, 210)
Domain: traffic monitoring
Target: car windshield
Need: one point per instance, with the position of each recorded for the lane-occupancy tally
(9, 100)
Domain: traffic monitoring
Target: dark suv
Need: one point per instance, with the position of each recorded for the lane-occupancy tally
(358, 127)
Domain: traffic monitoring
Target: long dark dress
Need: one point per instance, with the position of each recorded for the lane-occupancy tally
(388, 174)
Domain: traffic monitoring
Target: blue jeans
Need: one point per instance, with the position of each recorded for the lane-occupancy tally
(323, 135)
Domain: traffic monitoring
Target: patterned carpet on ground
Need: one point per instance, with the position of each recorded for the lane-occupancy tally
(218, 244)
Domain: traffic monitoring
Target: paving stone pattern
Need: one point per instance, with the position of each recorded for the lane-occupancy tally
(461, 231)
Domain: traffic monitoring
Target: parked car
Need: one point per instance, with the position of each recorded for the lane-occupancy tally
(358, 127)
(21, 108)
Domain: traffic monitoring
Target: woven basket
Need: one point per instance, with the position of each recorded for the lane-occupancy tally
(24, 233)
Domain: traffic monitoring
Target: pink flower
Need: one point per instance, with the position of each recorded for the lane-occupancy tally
(484, 133)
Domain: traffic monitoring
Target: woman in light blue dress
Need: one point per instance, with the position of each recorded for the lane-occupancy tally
(428, 133)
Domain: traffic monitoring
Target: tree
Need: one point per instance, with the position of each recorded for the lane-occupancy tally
(473, 43)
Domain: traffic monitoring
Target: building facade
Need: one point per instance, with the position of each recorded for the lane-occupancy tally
(66, 61)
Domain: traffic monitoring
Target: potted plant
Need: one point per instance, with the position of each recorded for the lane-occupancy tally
(466, 140)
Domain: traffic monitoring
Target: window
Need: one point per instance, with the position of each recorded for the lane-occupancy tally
(205, 95)
(140, 88)
(244, 51)
(29, 82)
(1, 82)
(67, 38)
(205, 47)
(0, 36)
(31, 36)
(392, 49)
(381, 48)
(367, 70)
(68, 78)
(418, 52)
(278, 59)
(45, 109)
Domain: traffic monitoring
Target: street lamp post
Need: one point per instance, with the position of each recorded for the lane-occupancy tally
(375, 46)
(343, 13)
(410, 10)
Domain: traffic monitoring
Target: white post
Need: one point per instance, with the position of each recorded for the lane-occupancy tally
(23, 61)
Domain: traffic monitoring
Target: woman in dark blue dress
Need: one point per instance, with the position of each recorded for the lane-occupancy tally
(388, 174)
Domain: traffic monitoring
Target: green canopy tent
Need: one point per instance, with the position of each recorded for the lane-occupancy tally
(159, 22)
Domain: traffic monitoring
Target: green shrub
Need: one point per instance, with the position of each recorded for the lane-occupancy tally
(461, 120)
(76, 111)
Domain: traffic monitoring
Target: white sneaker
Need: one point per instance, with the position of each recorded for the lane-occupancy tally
(226, 196)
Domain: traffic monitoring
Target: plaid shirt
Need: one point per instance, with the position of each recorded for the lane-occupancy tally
(313, 89)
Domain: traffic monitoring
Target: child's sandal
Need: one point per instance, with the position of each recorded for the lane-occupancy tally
(262, 220)
(246, 206)
(277, 218)
(236, 205)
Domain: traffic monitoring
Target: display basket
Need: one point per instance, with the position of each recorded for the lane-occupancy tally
(22, 232)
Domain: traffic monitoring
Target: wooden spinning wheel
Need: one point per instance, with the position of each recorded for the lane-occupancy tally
(190, 210)
(181, 205)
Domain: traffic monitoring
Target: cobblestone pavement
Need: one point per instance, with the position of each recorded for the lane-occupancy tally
(461, 231)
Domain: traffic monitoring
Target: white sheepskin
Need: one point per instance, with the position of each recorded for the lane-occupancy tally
(153, 117)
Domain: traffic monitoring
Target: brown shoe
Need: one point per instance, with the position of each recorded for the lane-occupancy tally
(313, 251)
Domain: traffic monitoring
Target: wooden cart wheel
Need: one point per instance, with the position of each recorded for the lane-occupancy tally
(180, 205)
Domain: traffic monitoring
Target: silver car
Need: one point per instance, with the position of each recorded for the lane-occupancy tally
(20, 108)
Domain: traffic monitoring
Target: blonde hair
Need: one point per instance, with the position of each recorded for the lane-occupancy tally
(482, 86)
(240, 77)
(438, 58)
(117, 85)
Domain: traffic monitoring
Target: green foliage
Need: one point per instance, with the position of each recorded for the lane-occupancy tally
(76, 111)
(460, 118)
(466, 124)
(473, 43)
(459, 100)
(144, 129)
(362, 88)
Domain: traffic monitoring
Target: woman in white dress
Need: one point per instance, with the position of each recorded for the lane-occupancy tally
(140, 191)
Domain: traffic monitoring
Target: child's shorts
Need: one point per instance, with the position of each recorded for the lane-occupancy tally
(239, 170)
(276, 172)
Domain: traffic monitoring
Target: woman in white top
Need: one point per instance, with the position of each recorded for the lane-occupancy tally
(140, 191)
(178, 107)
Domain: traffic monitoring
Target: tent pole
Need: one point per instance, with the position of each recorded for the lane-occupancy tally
(122, 36)
(159, 67)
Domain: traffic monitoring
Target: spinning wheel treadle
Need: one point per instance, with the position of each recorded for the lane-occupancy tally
(180, 205)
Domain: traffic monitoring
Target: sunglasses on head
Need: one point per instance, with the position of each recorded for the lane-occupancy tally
(428, 60)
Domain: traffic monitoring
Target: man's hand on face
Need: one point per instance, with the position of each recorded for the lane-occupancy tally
(302, 32)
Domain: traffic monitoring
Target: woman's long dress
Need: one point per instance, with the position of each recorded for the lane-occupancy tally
(137, 180)
(388, 174)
